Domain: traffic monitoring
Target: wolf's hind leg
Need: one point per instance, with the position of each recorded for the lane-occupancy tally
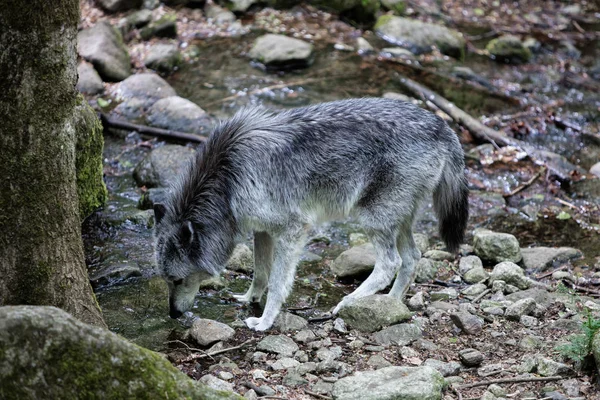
(285, 258)
(263, 259)
(410, 255)
(387, 263)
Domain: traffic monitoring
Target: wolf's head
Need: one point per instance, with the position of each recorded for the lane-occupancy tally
(178, 255)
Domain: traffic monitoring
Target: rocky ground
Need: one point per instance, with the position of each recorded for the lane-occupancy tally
(500, 310)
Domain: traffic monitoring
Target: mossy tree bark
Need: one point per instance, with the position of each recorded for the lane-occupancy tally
(41, 251)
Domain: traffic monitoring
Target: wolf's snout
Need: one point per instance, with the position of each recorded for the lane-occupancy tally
(174, 312)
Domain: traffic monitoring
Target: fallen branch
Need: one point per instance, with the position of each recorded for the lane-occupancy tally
(481, 295)
(192, 357)
(547, 274)
(108, 122)
(510, 380)
(525, 185)
(320, 319)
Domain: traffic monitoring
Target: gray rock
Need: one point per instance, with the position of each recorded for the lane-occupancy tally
(442, 306)
(528, 321)
(403, 97)
(445, 368)
(293, 379)
(595, 169)
(354, 261)
(284, 363)
(468, 263)
(322, 387)
(165, 27)
(216, 383)
(139, 18)
(339, 326)
(530, 342)
(251, 395)
(218, 15)
(305, 336)
(179, 114)
(421, 240)
(475, 275)
(119, 5)
(391, 383)
(279, 344)
(416, 303)
(542, 258)
(444, 294)
(363, 46)
(357, 239)
(47, 342)
(146, 88)
(240, 5)
(400, 335)
(397, 52)
(398, 6)
(162, 166)
(474, 290)
(510, 273)
(89, 81)
(467, 322)
(498, 286)
(548, 367)
(509, 49)
(114, 273)
(207, 331)
(426, 270)
(470, 357)
(281, 51)
(541, 296)
(242, 259)
(519, 308)
(152, 196)
(163, 57)
(439, 255)
(103, 46)
(371, 313)
(495, 246)
(420, 37)
(286, 322)
(377, 361)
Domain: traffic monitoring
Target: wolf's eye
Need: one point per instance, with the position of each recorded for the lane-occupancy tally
(178, 282)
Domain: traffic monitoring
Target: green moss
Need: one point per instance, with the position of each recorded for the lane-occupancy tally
(508, 49)
(384, 19)
(91, 189)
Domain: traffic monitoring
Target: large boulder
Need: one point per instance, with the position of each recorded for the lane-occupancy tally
(420, 37)
(371, 313)
(355, 261)
(120, 5)
(88, 82)
(45, 353)
(179, 114)
(542, 258)
(509, 49)
(103, 46)
(139, 92)
(163, 165)
(163, 57)
(391, 383)
(510, 273)
(279, 51)
(496, 246)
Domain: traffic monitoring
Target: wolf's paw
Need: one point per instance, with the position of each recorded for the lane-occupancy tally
(243, 298)
(257, 324)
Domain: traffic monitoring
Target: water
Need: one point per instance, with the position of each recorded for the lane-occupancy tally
(222, 80)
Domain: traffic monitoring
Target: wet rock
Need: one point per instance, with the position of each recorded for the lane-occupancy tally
(114, 273)
(542, 258)
(519, 308)
(445, 368)
(142, 90)
(163, 165)
(549, 367)
(468, 263)
(216, 383)
(48, 342)
(206, 331)
(119, 5)
(279, 51)
(165, 27)
(510, 273)
(102, 45)
(420, 37)
(400, 335)
(397, 52)
(470, 357)
(371, 313)
(89, 81)
(391, 383)
(355, 261)
(279, 344)
(217, 14)
(242, 259)
(496, 246)
(163, 57)
(417, 302)
(508, 49)
(467, 322)
(152, 196)
(426, 270)
(286, 322)
(179, 114)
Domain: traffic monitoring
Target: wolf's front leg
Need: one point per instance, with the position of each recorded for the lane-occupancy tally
(285, 258)
(263, 259)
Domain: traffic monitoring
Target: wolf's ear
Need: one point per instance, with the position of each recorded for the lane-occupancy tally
(159, 211)
(186, 234)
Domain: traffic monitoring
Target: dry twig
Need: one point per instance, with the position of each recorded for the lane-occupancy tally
(108, 122)
(192, 357)
(511, 380)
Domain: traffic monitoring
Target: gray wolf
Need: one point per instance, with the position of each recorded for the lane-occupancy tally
(275, 174)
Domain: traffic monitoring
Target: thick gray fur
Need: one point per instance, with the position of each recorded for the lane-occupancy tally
(275, 174)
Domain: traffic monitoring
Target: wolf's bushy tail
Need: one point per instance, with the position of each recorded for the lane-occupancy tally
(451, 201)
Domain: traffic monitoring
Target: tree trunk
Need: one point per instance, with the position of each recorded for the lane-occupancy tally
(41, 251)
